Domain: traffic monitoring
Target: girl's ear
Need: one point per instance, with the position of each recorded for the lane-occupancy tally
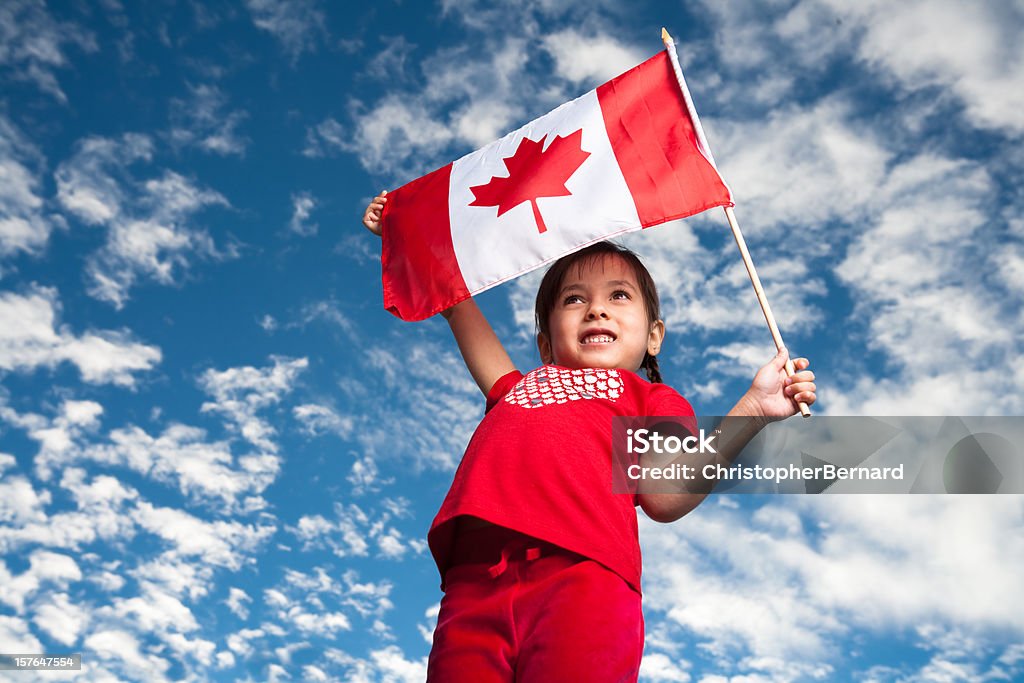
(544, 346)
(656, 337)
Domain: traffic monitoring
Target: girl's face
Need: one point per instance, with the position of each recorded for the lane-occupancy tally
(599, 319)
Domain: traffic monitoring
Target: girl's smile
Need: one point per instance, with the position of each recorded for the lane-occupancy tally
(600, 319)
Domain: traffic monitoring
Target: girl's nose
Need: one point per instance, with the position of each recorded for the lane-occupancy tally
(596, 311)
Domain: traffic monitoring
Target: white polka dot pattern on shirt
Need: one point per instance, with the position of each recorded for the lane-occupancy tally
(548, 385)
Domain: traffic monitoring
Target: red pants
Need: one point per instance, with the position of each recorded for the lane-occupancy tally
(519, 609)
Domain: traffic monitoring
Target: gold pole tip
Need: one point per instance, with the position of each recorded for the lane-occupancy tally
(665, 37)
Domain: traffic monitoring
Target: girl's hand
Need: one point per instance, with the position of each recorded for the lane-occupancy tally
(371, 217)
(774, 395)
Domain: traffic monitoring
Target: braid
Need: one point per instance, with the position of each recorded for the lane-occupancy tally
(650, 364)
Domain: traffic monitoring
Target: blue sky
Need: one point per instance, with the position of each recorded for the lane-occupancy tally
(219, 455)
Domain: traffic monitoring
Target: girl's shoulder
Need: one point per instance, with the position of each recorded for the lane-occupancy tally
(664, 400)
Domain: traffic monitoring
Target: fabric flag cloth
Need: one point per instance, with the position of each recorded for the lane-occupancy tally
(622, 157)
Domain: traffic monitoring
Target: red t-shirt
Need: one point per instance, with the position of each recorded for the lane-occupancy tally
(540, 463)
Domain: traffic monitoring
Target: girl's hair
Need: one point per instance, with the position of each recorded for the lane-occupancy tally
(547, 295)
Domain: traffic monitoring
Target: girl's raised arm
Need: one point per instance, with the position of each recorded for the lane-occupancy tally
(483, 352)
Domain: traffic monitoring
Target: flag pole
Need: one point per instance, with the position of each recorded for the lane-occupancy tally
(702, 145)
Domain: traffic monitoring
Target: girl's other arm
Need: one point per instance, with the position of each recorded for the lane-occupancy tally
(771, 396)
(483, 352)
(481, 349)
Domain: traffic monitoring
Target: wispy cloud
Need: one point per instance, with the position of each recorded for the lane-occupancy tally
(820, 568)
(320, 419)
(467, 95)
(590, 60)
(34, 43)
(205, 471)
(45, 569)
(983, 67)
(239, 393)
(914, 269)
(354, 532)
(24, 228)
(303, 204)
(148, 232)
(297, 24)
(386, 665)
(203, 121)
(31, 337)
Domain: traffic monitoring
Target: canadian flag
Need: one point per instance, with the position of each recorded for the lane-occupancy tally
(622, 157)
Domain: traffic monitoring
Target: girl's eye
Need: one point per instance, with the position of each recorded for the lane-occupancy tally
(620, 294)
(572, 299)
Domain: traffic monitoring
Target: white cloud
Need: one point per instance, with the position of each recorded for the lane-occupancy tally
(15, 634)
(435, 405)
(225, 660)
(328, 311)
(369, 598)
(236, 602)
(277, 673)
(217, 542)
(181, 455)
(32, 44)
(303, 204)
(312, 673)
(20, 503)
(123, 649)
(657, 666)
(31, 337)
(23, 226)
(983, 66)
(268, 323)
(325, 137)
(297, 24)
(175, 576)
(590, 60)
(913, 273)
(198, 649)
(909, 48)
(56, 437)
(364, 476)
(353, 530)
(798, 576)
(86, 188)
(100, 514)
(45, 568)
(152, 611)
(240, 392)
(1010, 262)
(802, 166)
(471, 94)
(295, 610)
(147, 221)
(203, 121)
(386, 665)
(387, 135)
(202, 470)
(240, 644)
(313, 623)
(319, 419)
(155, 247)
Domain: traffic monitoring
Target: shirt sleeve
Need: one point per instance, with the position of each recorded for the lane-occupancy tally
(502, 387)
(666, 401)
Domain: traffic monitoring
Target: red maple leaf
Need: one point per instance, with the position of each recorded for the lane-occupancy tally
(533, 172)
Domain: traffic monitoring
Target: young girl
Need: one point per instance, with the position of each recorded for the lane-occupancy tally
(539, 559)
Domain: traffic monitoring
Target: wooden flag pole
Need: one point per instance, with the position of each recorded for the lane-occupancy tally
(761, 298)
(702, 142)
